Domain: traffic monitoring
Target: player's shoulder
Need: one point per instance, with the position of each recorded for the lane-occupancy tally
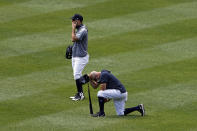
(105, 73)
(83, 28)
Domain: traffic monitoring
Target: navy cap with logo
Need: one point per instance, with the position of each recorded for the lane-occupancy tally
(77, 17)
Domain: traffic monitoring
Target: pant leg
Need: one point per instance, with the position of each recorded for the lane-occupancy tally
(112, 94)
(118, 97)
(78, 64)
(119, 106)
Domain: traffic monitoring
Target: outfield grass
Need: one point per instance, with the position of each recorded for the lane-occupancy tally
(150, 45)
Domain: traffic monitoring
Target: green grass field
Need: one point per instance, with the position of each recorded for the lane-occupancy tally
(150, 45)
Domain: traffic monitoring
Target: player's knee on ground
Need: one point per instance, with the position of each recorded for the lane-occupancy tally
(100, 94)
(120, 114)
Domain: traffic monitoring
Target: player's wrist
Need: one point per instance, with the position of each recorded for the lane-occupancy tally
(73, 31)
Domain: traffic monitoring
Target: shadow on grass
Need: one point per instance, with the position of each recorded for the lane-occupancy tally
(125, 117)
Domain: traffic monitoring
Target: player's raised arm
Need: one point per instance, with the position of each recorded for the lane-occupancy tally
(74, 38)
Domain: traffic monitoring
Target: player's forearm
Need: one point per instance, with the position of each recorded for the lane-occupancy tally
(103, 87)
(74, 38)
(94, 84)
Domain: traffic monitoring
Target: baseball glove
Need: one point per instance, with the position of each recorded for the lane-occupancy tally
(68, 54)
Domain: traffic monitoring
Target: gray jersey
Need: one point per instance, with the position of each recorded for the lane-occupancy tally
(80, 47)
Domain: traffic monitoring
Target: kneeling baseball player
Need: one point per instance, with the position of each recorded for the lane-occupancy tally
(111, 88)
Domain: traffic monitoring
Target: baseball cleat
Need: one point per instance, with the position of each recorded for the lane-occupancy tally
(99, 114)
(142, 110)
(78, 97)
(72, 97)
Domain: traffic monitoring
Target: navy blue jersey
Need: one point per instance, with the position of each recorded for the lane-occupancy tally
(111, 81)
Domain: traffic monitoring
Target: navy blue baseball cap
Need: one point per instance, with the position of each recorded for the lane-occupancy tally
(77, 17)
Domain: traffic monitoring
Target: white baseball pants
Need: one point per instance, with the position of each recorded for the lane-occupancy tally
(118, 98)
(78, 64)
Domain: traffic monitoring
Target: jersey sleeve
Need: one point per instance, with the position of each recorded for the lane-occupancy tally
(83, 32)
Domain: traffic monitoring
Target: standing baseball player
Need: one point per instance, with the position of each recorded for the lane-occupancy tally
(111, 88)
(80, 56)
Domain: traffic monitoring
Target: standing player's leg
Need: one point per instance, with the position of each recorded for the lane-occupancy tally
(76, 73)
(78, 66)
(73, 67)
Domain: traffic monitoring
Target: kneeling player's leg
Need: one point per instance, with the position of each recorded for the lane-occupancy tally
(132, 109)
(101, 104)
(139, 108)
(118, 97)
(101, 112)
(119, 105)
(101, 100)
(111, 94)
